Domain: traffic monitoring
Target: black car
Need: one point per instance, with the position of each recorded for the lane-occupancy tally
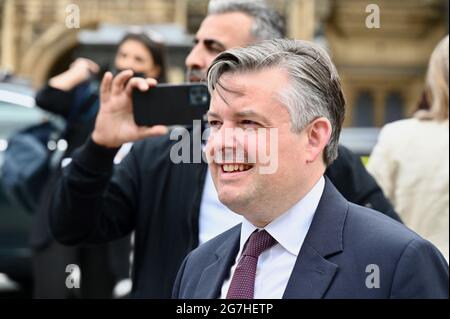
(17, 111)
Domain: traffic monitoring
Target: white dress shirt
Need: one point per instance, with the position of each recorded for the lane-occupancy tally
(275, 265)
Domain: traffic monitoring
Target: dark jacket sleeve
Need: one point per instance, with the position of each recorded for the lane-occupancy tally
(90, 203)
(55, 101)
(178, 280)
(421, 273)
(354, 182)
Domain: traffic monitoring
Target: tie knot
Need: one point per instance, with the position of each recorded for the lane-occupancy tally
(257, 243)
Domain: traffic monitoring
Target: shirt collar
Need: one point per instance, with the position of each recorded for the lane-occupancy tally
(291, 227)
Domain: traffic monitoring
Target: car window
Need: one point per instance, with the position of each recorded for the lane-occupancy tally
(14, 117)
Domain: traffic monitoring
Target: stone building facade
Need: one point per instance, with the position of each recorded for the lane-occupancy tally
(382, 68)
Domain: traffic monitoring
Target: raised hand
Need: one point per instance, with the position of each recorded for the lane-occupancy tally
(115, 123)
(79, 71)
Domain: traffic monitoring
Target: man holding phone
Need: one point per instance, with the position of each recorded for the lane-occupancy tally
(171, 207)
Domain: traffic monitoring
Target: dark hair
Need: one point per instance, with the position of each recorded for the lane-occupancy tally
(156, 49)
(267, 23)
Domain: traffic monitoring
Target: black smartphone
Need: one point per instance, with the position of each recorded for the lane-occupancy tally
(170, 104)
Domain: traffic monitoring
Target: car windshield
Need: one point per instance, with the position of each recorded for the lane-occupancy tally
(17, 108)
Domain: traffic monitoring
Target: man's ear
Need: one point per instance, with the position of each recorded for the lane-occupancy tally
(318, 135)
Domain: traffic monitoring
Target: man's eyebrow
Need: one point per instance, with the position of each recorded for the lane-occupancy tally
(242, 114)
(211, 42)
(212, 114)
(251, 113)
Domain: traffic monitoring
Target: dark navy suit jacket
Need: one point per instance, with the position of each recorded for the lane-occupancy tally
(346, 247)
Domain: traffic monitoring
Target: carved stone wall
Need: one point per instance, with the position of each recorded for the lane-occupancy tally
(382, 69)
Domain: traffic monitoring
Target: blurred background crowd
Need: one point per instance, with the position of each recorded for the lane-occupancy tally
(392, 73)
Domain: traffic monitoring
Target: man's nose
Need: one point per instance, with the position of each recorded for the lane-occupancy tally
(224, 145)
(196, 58)
(223, 138)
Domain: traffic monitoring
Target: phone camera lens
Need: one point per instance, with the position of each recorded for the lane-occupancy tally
(198, 96)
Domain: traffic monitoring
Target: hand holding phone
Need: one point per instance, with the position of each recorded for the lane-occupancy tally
(115, 123)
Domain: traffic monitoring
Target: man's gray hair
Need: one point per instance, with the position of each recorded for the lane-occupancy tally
(316, 88)
(267, 24)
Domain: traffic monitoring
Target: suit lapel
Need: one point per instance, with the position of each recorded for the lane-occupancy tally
(313, 273)
(311, 276)
(214, 275)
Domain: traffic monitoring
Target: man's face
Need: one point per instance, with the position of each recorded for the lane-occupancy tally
(217, 33)
(254, 104)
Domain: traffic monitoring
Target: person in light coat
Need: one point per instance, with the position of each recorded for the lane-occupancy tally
(411, 159)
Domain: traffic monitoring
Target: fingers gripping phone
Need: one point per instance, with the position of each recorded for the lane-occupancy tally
(169, 104)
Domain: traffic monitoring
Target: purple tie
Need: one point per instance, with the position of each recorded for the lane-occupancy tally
(242, 284)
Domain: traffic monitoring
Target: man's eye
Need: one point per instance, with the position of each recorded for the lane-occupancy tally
(215, 49)
(248, 123)
(214, 123)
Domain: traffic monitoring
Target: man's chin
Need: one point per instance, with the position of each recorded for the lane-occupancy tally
(234, 202)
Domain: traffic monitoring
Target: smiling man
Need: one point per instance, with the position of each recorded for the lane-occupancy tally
(172, 207)
(299, 238)
(246, 105)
